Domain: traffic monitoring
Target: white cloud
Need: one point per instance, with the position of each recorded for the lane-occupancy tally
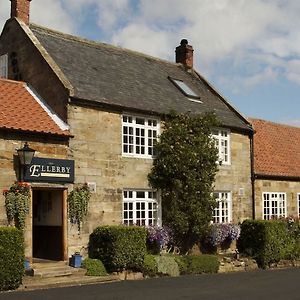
(49, 13)
(143, 38)
(237, 42)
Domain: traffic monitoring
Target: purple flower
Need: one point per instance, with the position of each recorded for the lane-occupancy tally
(218, 233)
(161, 235)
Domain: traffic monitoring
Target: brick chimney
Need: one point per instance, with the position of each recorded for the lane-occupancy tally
(184, 54)
(20, 9)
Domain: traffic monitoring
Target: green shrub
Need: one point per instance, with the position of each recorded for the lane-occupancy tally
(182, 263)
(267, 241)
(94, 267)
(202, 264)
(166, 265)
(150, 266)
(119, 247)
(11, 258)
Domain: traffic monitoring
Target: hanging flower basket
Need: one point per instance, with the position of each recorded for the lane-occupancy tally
(17, 203)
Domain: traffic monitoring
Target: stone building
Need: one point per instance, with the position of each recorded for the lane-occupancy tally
(25, 117)
(276, 170)
(113, 101)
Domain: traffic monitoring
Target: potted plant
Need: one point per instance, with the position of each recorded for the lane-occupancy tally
(76, 260)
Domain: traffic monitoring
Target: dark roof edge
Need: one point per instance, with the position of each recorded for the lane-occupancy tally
(120, 108)
(276, 177)
(224, 100)
(113, 107)
(55, 136)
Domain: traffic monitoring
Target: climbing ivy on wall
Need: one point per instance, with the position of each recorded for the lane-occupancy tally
(78, 201)
(184, 171)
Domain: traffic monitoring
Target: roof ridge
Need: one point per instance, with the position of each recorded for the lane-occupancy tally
(272, 122)
(12, 81)
(96, 44)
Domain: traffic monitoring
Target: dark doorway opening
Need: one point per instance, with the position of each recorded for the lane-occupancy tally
(47, 235)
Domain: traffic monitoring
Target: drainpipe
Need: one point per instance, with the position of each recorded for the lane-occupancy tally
(251, 136)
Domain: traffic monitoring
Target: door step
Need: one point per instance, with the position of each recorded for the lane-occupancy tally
(53, 269)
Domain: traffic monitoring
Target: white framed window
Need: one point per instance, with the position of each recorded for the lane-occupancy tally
(274, 205)
(141, 207)
(139, 135)
(298, 201)
(223, 212)
(4, 66)
(222, 138)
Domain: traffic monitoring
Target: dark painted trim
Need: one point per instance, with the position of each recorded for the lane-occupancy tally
(276, 177)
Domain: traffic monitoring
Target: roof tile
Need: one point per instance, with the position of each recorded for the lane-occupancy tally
(19, 110)
(276, 149)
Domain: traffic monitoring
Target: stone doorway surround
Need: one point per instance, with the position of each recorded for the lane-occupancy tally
(28, 232)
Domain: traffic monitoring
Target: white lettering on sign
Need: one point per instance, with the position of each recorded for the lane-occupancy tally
(34, 171)
(55, 171)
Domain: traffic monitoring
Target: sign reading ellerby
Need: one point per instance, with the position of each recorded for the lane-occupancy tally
(50, 170)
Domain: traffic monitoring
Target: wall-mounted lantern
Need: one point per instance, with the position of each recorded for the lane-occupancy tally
(25, 156)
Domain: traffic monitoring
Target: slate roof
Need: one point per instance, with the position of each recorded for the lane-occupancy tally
(122, 78)
(276, 149)
(20, 110)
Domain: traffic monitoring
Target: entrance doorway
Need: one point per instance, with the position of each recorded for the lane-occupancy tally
(47, 223)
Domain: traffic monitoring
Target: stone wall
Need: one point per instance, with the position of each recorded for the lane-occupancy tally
(9, 160)
(10, 170)
(96, 149)
(26, 63)
(291, 188)
(236, 178)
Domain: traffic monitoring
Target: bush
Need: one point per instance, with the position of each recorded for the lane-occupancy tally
(175, 265)
(149, 266)
(267, 241)
(166, 265)
(94, 267)
(182, 263)
(202, 264)
(11, 258)
(119, 247)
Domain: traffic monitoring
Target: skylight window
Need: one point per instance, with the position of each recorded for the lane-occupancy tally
(184, 88)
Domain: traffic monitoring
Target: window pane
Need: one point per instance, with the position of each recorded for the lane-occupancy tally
(138, 136)
(222, 212)
(140, 121)
(141, 209)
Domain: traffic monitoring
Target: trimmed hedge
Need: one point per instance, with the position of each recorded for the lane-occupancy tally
(192, 264)
(202, 264)
(268, 241)
(174, 265)
(119, 247)
(11, 258)
(150, 266)
(94, 267)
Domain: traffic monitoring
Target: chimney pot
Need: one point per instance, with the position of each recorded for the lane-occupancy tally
(20, 9)
(184, 42)
(184, 54)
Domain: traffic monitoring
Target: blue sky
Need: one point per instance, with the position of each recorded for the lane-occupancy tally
(248, 50)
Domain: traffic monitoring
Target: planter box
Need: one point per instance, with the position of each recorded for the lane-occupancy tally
(26, 264)
(75, 261)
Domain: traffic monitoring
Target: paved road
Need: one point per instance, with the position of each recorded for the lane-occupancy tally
(260, 285)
